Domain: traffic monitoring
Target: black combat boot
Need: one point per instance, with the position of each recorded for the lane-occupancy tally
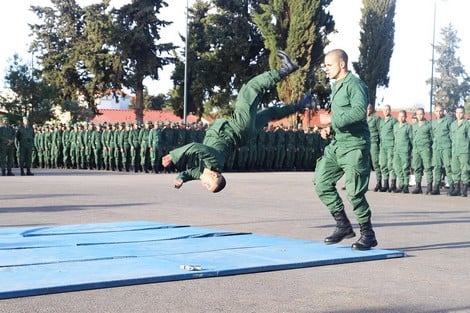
(464, 189)
(287, 65)
(367, 239)
(28, 172)
(406, 190)
(385, 186)
(22, 171)
(343, 229)
(393, 186)
(4, 173)
(10, 173)
(451, 190)
(378, 187)
(397, 190)
(456, 191)
(306, 102)
(418, 190)
(436, 190)
(429, 188)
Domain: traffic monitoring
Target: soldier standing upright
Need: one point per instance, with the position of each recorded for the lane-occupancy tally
(403, 135)
(441, 149)
(25, 137)
(460, 134)
(7, 147)
(386, 150)
(375, 125)
(421, 155)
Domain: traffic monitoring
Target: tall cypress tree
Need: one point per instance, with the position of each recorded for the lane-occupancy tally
(300, 27)
(377, 42)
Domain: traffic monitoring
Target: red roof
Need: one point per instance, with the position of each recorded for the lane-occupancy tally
(128, 116)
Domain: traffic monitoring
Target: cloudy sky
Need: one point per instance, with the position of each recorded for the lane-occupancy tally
(410, 64)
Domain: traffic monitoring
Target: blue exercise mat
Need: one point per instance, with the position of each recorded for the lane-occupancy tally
(36, 261)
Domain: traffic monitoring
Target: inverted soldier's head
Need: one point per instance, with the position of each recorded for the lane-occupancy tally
(212, 180)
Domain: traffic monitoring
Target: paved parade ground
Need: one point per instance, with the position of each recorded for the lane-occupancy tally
(434, 232)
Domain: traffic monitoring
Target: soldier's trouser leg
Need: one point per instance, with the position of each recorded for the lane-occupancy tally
(427, 164)
(386, 163)
(331, 167)
(374, 157)
(417, 165)
(460, 168)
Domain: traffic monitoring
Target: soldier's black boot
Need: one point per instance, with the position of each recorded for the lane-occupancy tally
(367, 239)
(435, 190)
(406, 190)
(343, 229)
(4, 173)
(22, 172)
(378, 187)
(429, 188)
(464, 189)
(28, 172)
(451, 190)
(418, 190)
(287, 65)
(456, 191)
(397, 190)
(10, 173)
(385, 186)
(393, 186)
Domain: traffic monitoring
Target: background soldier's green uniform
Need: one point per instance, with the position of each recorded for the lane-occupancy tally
(441, 151)
(261, 140)
(134, 147)
(375, 124)
(155, 142)
(73, 147)
(301, 143)
(403, 135)
(25, 138)
(280, 147)
(460, 134)
(66, 146)
(97, 146)
(145, 147)
(386, 153)
(270, 148)
(422, 154)
(7, 147)
(290, 144)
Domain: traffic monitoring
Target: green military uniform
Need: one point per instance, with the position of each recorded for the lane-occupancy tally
(155, 142)
(348, 152)
(291, 144)
(145, 147)
(375, 125)
(225, 135)
(280, 147)
(441, 151)
(270, 148)
(134, 146)
(460, 135)
(403, 135)
(422, 154)
(25, 138)
(66, 146)
(7, 147)
(386, 152)
(97, 146)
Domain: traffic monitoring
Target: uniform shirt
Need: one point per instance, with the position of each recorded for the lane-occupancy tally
(403, 135)
(460, 134)
(386, 131)
(441, 133)
(375, 124)
(349, 100)
(422, 135)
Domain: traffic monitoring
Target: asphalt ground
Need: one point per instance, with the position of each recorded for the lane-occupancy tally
(434, 231)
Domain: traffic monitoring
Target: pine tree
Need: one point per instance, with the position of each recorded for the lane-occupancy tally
(377, 42)
(451, 84)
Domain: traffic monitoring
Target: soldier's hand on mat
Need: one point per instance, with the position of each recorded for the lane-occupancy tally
(178, 183)
(167, 160)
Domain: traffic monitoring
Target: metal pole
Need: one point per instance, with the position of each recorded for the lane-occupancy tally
(432, 62)
(185, 101)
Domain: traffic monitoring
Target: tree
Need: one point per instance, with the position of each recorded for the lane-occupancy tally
(225, 49)
(72, 47)
(377, 42)
(300, 27)
(31, 97)
(136, 38)
(451, 84)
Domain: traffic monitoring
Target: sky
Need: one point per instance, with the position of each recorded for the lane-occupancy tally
(410, 65)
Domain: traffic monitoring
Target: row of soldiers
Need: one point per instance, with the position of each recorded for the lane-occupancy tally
(139, 147)
(429, 149)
